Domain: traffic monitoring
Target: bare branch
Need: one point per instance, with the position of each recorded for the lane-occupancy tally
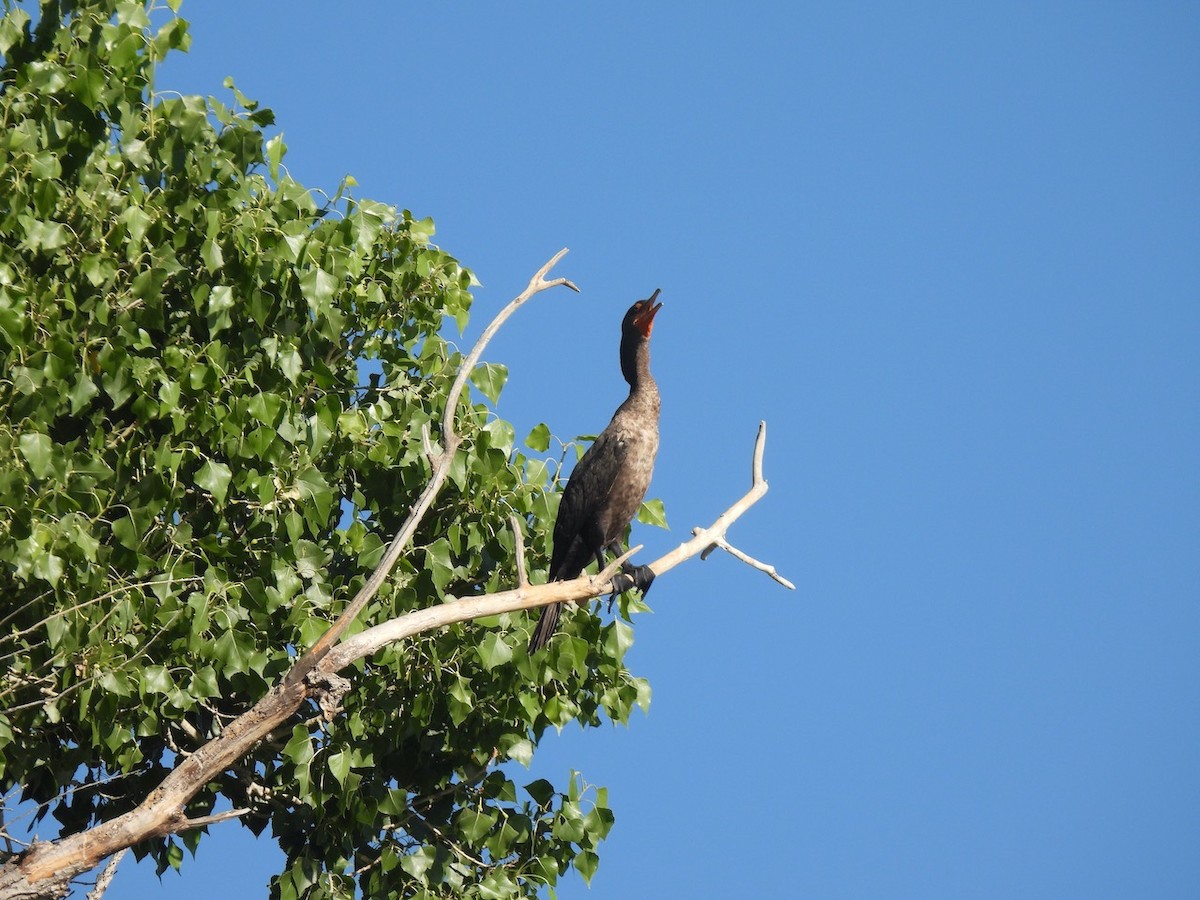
(750, 561)
(607, 573)
(705, 539)
(450, 443)
(432, 453)
(204, 821)
(584, 587)
(107, 875)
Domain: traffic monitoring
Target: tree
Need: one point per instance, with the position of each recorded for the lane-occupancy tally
(222, 395)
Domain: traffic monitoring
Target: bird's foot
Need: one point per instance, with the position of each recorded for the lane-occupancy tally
(630, 576)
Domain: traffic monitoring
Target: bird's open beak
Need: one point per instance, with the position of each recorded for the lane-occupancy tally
(645, 319)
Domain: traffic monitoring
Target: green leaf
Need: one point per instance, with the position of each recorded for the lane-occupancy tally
(439, 563)
(542, 792)
(38, 452)
(48, 567)
(475, 825)
(519, 749)
(310, 559)
(462, 700)
(82, 393)
(291, 365)
(275, 151)
(585, 863)
(539, 438)
(313, 487)
(498, 885)
(11, 28)
(652, 512)
(214, 477)
(318, 287)
(418, 863)
(204, 684)
(220, 303)
(157, 680)
(618, 640)
(126, 532)
(537, 471)
(643, 694)
(372, 551)
(266, 408)
(494, 652)
(133, 14)
(45, 77)
(339, 765)
(59, 635)
(136, 220)
(569, 824)
(599, 821)
(489, 378)
(13, 318)
(210, 252)
(174, 35)
(299, 750)
(43, 235)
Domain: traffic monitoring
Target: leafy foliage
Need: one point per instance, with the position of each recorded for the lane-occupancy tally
(213, 390)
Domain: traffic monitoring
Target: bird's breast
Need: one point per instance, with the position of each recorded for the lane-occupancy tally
(637, 448)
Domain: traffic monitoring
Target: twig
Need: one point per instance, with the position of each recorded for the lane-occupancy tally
(606, 574)
(185, 824)
(705, 538)
(110, 869)
(431, 453)
(748, 560)
(98, 599)
(450, 842)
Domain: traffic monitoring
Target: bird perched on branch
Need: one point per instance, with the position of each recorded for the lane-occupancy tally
(608, 484)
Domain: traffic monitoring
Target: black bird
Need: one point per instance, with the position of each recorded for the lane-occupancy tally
(607, 486)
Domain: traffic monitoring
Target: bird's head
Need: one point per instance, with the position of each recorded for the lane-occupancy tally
(640, 318)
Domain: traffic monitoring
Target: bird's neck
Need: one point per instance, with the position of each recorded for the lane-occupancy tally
(635, 366)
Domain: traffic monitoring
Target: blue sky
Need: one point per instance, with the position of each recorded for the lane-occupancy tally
(951, 254)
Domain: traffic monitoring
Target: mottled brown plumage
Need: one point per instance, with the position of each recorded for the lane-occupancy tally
(608, 484)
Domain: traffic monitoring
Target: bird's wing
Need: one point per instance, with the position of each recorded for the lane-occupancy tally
(596, 473)
(576, 528)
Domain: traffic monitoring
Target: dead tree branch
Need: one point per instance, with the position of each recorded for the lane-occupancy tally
(106, 875)
(748, 560)
(442, 457)
(529, 597)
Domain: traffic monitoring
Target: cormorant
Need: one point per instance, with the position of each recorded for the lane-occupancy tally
(607, 485)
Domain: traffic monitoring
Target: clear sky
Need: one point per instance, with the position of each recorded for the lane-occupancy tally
(951, 253)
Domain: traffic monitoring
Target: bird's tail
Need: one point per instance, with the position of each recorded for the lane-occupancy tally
(546, 624)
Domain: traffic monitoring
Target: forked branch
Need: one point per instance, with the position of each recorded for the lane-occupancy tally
(442, 459)
(529, 597)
